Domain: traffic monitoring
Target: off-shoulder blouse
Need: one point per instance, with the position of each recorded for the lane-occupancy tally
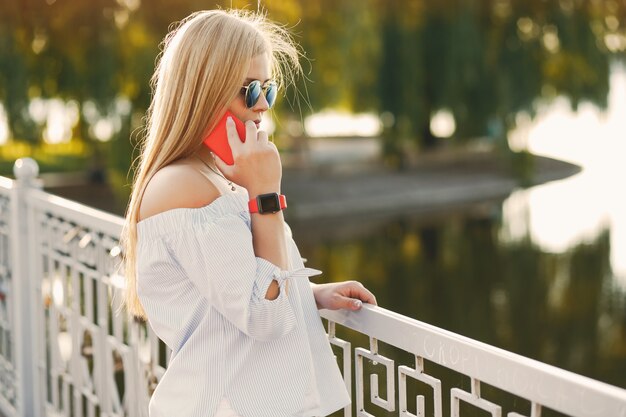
(203, 290)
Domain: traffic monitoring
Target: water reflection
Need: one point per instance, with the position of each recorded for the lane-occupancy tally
(542, 274)
(561, 214)
(458, 274)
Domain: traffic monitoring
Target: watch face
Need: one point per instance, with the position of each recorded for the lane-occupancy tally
(269, 203)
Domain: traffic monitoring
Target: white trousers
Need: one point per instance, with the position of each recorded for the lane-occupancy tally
(225, 410)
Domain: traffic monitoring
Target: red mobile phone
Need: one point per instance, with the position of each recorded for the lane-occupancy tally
(217, 140)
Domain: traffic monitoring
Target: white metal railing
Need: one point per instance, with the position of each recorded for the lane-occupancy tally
(64, 350)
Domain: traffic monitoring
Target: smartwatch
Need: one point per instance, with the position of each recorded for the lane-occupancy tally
(267, 203)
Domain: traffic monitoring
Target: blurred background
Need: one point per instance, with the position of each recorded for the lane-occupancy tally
(403, 87)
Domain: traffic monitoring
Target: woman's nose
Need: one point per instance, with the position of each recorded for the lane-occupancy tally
(262, 104)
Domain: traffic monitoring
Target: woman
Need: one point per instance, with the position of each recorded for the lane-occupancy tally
(222, 284)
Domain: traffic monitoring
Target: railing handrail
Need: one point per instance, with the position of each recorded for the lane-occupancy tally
(563, 390)
(6, 183)
(88, 216)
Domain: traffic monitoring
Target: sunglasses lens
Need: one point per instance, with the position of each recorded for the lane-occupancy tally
(255, 89)
(253, 93)
(270, 94)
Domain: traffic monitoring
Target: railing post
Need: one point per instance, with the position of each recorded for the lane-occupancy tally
(25, 308)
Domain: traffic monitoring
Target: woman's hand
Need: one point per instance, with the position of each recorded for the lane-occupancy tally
(348, 295)
(257, 164)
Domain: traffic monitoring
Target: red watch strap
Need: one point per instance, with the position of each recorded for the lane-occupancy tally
(253, 203)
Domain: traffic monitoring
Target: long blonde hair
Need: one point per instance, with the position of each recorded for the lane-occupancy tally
(200, 71)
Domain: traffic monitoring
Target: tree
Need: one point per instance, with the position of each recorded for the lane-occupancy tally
(484, 61)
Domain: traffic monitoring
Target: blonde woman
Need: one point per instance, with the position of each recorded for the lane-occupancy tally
(211, 267)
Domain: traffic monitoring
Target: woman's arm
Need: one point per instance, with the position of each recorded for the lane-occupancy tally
(268, 239)
(258, 168)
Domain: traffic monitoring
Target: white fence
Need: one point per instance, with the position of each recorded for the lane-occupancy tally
(64, 350)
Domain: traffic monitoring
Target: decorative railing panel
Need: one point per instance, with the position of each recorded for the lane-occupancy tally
(537, 388)
(8, 375)
(96, 361)
(67, 350)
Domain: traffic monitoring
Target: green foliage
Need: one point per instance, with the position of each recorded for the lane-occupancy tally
(484, 61)
(487, 61)
(64, 157)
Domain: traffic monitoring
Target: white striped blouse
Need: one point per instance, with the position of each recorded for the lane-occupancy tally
(203, 290)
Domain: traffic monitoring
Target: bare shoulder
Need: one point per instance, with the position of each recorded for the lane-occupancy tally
(176, 186)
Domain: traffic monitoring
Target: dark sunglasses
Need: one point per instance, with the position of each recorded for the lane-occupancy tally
(252, 92)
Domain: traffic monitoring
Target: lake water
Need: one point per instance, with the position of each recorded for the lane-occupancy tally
(542, 273)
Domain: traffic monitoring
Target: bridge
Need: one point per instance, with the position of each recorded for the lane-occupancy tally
(67, 350)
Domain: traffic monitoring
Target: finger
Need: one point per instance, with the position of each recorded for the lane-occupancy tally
(357, 290)
(223, 167)
(262, 136)
(367, 297)
(233, 136)
(349, 303)
(251, 133)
